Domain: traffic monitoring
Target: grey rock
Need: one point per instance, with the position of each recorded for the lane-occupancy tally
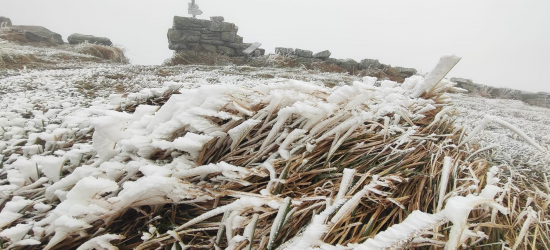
(37, 33)
(194, 46)
(226, 51)
(182, 23)
(4, 22)
(215, 42)
(304, 53)
(526, 95)
(406, 72)
(323, 54)
(210, 47)
(212, 36)
(284, 51)
(463, 83)
(348, 64)
(461, 80)
(238, 39)
(179, 36)
(304, 60)
(217, 19)
(370, 64)
(228, 36)
(238, 46)
(223, 26)
(188, 53)
(176, 46)
(331, 61)
(258, 52)
(79, 38)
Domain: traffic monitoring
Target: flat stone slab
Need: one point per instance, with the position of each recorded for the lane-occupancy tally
(251, 48)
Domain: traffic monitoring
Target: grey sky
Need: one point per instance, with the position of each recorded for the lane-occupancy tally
(503, 43)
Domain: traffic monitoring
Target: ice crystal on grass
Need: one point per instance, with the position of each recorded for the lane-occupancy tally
(210, 157)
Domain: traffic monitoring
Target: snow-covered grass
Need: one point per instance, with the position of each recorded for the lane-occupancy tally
(236, 157)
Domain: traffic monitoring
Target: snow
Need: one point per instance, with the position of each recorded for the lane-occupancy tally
(69, 136)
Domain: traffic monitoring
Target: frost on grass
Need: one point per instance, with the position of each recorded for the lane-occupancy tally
(246, 163)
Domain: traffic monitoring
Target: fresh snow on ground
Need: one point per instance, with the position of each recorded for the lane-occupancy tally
(62, 134)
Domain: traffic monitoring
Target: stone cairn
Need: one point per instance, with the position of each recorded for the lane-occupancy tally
(308, 57)
(193, 36)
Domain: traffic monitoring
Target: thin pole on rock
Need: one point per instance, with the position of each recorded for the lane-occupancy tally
(192, 5)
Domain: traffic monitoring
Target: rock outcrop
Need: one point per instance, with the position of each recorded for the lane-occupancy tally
(541, 99)
(79, 38)
(193, 36)
(37, 34)
(4, 22)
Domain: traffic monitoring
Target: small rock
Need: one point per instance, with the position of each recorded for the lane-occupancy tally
(181, 36)
(226, 51)
(259, 52)
(304, 53)
(406, 72)
(210, 47)
(223, 26)
(322, 54)
(79, 38)
(215, 42)
(284, 51)
(37, 33)
(348, 64)
(176, 46)
(228, 36)
(331, 61)
(461, 80)
(304, 60)
(217, 19)
(4, 22)
(239, 39)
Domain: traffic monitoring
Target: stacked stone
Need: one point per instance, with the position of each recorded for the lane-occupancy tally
(194, 36)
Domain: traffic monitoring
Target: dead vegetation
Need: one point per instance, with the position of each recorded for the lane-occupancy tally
(110, 53)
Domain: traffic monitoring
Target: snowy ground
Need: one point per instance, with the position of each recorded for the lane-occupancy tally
(48, 117)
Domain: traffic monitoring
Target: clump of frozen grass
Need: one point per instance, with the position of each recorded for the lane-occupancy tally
(287, 164)
(111, 53)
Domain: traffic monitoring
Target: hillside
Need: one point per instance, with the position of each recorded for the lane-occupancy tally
(97, 153)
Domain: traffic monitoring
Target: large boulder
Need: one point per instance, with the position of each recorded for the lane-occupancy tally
(37, 34)
(370, 64)
(4, 22)
(79, 38)
(323, 54)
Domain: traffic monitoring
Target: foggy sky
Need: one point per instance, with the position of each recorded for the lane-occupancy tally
(503, 43)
